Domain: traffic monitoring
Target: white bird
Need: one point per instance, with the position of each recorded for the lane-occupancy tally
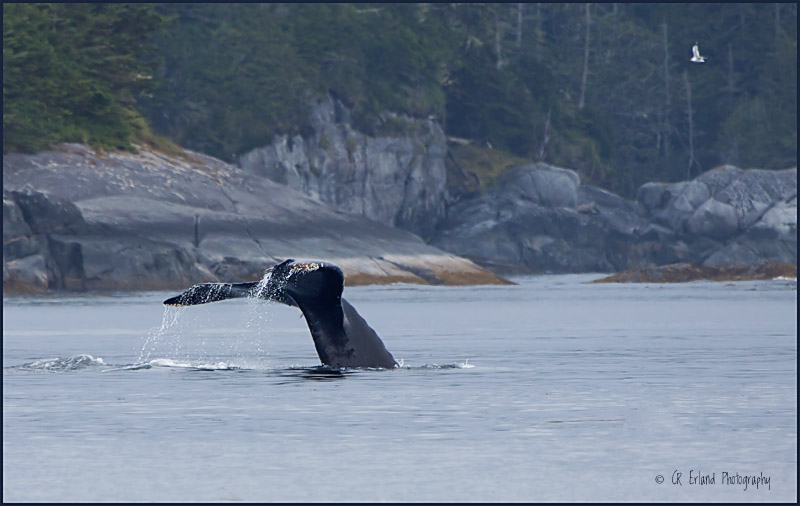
(696, 55)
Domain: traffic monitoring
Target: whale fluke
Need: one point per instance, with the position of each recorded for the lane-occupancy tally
(341, 336)
(211, 292)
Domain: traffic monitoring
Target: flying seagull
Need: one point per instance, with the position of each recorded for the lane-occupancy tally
(696, 54)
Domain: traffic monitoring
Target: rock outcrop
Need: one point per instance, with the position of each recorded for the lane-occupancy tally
(397, 178)
(75, 219)
(682, 273)
(541, 218)
(535, 217)
(726, 216)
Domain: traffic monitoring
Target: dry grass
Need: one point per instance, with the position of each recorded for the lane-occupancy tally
(487, 163)
(361, 279)
(450, 278)
(681, 273)
(446, 278)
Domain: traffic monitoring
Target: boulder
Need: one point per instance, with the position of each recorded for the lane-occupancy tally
(541, 218)
(713, 219)
(542, 184)
(728, 215)
(27, 274)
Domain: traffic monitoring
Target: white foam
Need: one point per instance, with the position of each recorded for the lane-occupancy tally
(60, 364)
(466, 365)
(168, 362)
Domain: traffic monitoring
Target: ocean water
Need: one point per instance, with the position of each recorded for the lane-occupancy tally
(550, 390)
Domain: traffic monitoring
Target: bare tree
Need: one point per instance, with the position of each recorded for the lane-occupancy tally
(692, 160)
(731, 88)
(546, 138)
(537, 42)
(581, 101)
(667, 105)
(614, 15)
(497, 40)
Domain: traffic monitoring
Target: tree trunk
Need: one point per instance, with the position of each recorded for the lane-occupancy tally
(538, 34)
(54, 17)
(497, 48)
(614, 15)
(692, 161)
(777, 23)
(731, 88)
(667, 104)
(546, 139)
(582, 102)
(519, 26)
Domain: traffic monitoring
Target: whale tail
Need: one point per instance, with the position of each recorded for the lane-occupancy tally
(211, 292)
(204, 293)
(341, 336)
(290, 282)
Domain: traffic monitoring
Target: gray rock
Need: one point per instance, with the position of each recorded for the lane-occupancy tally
(13, 222)
(733, 253)
(542, 184)
(26, 274)
(728, 215)
(539, 217)
(399, 180)
(748, 192)
(780, 218)
(652, 196)
(77, 219)
(45, 213)
(713, 219)
(543, 219)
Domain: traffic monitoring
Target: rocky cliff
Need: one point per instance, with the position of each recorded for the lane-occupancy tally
(396, 177)
(534, 217)
(76, 219)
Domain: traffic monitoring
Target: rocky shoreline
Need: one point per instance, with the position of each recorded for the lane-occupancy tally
(534, 217)
(75, 219)
(386, 208)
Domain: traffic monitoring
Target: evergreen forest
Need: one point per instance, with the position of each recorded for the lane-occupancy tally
(606, 89)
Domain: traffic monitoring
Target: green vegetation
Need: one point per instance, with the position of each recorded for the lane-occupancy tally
(71, 72)
(606, 89)
(485, 163)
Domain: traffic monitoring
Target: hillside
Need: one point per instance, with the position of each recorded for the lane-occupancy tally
(605, 89)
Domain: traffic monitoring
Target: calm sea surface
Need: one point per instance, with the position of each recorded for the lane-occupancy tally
(546, 391)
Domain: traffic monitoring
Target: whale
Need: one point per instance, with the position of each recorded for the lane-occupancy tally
(342, 338)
